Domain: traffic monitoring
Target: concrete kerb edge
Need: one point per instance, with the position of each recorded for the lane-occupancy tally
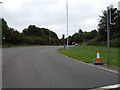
(102, 68)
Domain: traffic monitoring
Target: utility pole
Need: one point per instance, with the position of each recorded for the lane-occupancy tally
(108, 35)
(1, 25)
(64, 40)
(1, 51)
(50, 36)
(75, 37)
(67, 20)
(119, 8)
(79, 37)
(84, 36)
(111, 19)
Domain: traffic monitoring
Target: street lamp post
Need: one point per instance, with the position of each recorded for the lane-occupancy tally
(50, 35)
(84, 36)
(79, 36)
(0, 52)
(75, 34)
(67, 19)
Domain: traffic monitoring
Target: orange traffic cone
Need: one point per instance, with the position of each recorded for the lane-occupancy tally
(98, 61)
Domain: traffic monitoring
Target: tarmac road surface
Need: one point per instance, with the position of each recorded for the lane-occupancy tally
(44, 67)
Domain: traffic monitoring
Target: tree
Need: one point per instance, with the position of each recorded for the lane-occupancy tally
(42, 35)
(103, 26)
(94, 34)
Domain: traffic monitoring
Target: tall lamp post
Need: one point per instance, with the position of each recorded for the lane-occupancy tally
(1, 25)
(1, 2)
(0, 52)
(50, 35)
(67, 19)
(84, 36)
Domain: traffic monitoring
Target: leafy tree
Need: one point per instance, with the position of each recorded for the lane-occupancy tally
(27, 40)
(42, 34)
(103, 26)
(101, 38)
(94, 34)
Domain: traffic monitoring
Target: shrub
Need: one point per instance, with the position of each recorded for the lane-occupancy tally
(27, 40)
(38, 40)
(94, 41)
(115, 42)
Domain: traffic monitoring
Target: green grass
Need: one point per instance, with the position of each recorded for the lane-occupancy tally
(88, 53)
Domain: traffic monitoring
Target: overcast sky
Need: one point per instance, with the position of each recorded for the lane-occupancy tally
(51, 14)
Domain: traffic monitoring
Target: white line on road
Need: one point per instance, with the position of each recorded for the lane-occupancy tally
(108, 87)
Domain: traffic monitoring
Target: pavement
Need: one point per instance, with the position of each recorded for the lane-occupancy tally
(44, 67)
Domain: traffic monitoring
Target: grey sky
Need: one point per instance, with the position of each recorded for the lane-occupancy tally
(51, 14)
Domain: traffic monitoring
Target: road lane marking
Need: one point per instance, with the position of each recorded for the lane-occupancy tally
(108, 87)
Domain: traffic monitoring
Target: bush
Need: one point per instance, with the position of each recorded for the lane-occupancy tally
(55, 41)
(103, 43)
(97, 42)
(94, 41)
(115, 42)
(38, 40)
(27, 40)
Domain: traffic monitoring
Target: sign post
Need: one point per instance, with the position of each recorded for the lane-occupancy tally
(108, 35)
(111, 19)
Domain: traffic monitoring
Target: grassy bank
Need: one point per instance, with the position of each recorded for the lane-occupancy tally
(88, 53)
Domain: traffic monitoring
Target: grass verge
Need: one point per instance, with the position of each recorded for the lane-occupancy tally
(88, 54)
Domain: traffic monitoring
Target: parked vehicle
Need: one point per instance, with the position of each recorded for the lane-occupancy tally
(76, 44)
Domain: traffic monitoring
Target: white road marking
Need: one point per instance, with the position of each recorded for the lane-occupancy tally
(108, 87)
(105, 69)
(112, 86)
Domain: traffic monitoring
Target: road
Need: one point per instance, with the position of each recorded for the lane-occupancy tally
(44, 67)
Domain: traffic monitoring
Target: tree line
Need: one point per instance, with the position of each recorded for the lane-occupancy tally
(34, 35)
(29, 36)
(99, 37)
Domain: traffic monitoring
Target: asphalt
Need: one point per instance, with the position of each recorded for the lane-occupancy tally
(44, 67)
